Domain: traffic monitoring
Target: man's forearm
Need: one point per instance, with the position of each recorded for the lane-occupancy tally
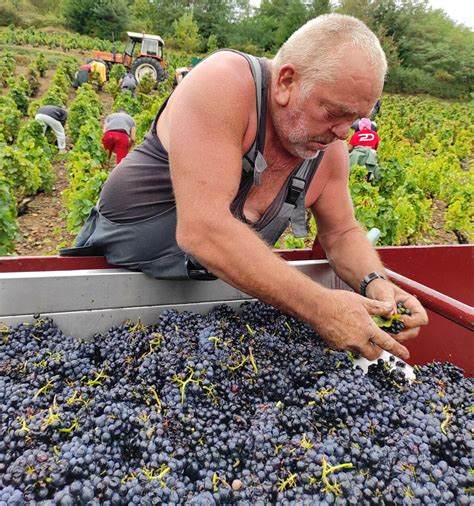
(236, 254)
(352, 257)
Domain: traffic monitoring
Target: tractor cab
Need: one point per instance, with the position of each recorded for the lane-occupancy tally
(140, 45)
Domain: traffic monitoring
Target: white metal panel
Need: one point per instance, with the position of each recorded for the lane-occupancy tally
(58, 291)
(84, 302)
(84, 324)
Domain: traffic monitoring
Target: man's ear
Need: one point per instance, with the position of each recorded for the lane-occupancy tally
(285, 84)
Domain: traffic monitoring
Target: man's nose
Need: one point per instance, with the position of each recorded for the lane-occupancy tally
(341, 131)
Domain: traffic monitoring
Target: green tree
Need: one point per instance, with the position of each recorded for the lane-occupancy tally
(259, 30)
(99, 18)
(211, 44)
(319, 7)
(186, 33)
(77, 14)
(361, 9)
(144, 16)
(296, 16)
(213, 17)
(166, 13)
(109, 16)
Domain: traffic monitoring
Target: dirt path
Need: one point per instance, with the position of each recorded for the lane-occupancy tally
(43, 226)
(436, 233)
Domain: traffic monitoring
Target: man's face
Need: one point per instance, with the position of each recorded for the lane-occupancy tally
(306, 125)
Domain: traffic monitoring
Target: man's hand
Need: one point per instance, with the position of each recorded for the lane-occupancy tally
(345, 322)
(385, 291)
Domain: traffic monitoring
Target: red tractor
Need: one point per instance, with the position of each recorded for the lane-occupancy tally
(148, 59)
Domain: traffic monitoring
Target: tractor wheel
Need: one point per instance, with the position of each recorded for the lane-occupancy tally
(142, 66)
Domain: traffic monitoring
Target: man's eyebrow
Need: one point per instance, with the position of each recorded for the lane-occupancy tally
(343, 108)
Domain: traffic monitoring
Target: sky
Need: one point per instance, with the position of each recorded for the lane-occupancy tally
(461, 11)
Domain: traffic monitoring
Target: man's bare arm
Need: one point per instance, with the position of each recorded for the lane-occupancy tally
(205, 149)
(349, 252)
(346, 245)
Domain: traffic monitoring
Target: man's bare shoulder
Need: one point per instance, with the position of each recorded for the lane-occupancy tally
(224, 75)
(336, 160)
(218, 94)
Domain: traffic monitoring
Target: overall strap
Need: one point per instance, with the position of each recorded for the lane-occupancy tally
(292, 207)
(297, 192)
(254, 161)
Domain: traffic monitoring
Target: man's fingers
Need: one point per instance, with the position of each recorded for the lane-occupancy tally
(415, 319)
(377, 307)
(406, 334)
(369, 351)
(389, 344)
(418, 313)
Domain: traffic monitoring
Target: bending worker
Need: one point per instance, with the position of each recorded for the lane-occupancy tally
(128, 83)
(82, 76)
(119, 134)
(239, 150)
(54, 117)
(363, 149)
(365, 136)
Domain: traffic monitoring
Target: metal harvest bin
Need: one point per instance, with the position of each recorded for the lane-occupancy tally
(86, 295)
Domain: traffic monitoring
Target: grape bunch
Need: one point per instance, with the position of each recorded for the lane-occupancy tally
(233, 407)
(10, 495)
(394, 324)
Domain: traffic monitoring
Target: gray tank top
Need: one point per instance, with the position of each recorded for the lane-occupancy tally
(140, 186)
(119, 122)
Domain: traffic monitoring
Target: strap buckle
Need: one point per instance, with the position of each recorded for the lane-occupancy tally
(297, 186)
(196, 271)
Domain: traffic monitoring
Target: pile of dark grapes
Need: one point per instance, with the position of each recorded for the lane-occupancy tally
(248, 408)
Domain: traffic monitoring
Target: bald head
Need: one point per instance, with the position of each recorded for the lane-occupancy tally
(320, 49)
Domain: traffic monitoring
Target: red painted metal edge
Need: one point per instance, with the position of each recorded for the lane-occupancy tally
(450, 308)
(52, 263)
(55, 263)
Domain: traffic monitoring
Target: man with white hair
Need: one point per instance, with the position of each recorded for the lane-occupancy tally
(231, 159)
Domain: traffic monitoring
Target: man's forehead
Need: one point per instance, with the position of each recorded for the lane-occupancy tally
(348, 109)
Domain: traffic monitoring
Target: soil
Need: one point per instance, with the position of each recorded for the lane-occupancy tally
(43, 227)
(436, 233)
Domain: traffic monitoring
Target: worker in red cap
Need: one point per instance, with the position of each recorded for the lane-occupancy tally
(363, 149)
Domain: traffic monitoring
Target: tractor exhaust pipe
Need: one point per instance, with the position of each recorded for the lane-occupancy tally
(114, 49)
